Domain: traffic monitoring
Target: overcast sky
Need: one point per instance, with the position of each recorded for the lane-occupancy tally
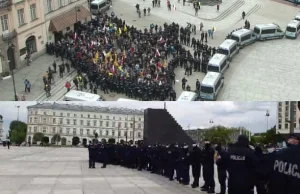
(194, 114)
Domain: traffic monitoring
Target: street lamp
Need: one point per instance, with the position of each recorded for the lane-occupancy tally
(18, 107)
(267, 115)
(211, 122)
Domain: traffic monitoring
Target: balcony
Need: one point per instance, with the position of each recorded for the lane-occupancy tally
(4, 4)
(9, 36)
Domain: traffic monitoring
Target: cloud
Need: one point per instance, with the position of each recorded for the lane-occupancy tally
(193, 114)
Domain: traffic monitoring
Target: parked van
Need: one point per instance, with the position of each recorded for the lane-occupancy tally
(75, 95)
(297, 17)
(211, 86)
(268, 31)
(229, 48)
(218, 63)
(292, 29)
(99, 6)
(186, 96)
(243, 37)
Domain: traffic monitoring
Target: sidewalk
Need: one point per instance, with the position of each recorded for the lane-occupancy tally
(34, 73)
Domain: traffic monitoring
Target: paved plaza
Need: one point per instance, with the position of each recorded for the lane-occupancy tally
(262, 71)
(37, 170)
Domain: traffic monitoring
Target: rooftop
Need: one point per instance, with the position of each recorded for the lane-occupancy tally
(76, 107)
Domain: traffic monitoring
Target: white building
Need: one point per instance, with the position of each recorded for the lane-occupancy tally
(1, 127)
(69, 120)
(283, 121)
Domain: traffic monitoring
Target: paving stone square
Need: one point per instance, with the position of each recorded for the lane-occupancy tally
(37, 173)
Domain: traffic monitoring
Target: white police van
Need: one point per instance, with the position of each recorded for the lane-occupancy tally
(187, 96)
(243, 37)
(229, 48)
(268, 31)
(99, 6)
(211, 86)
(297, 17)
(74, 95)
(218, 63)
(292, 29)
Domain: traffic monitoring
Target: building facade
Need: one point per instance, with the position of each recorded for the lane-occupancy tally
(197, 135)
(283, 118)
(29, 24)
(84, 121)
(1, 128)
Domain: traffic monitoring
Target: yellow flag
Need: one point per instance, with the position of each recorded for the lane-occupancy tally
(125, 28)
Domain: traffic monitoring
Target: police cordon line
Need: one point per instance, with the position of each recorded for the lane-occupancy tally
(246, 166)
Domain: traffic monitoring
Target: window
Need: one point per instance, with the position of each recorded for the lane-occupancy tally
(139, 125)
(54, 120)
(125, 124)
(61, 114)
(30, 120)
(286, 126)
(68, 121)
(119, 133)
(74, 131)
(81, 131)
(44, 120)
(4, 22)
(75, 115)
(95, 123)
(140, 119)
(233, 49)
(114, 124)
(107, 123)
(95, 116)
(113, 133)
(74, 122)
(247, 37)
(101, 123)
(106, 132)
(81, 122)
(114, 118)
(68, 114)
(21, 17)
(139, 135)
(60, 130)
(44, 130)
(81, 115)
(223, 65)
(119, 124)
(279, 126)
(131, 125)
(208, 90)
(60, 121)
(125, 133)
(60, 3)
(257, 30)
(54, 113)
(87, 131)
(120, 118)
(44, 113)
(35, 129)
(269, 31)
(88, 123)
(130, 134)
(107, 117)
(49, 5)
(100, 116)
(218, 84)
(213, 68)
(33, 11)
(88, 116)
(100, 132)
(68, 130)
(35, 120)
(53, 129)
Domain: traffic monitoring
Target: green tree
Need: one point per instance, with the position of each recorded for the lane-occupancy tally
(17, 132)
(75, 141)
(218, 134)
(56, 138)
(38, 137)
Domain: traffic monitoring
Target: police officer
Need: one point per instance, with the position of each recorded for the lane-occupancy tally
(196, 165)
(284, 173)
(208, 168)
(241, 164)
(91, 148)
(221, 168)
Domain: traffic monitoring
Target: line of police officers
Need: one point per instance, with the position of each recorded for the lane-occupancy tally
(275, 172)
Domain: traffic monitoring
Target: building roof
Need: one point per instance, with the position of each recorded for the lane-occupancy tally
(68, 18)
(82, 108)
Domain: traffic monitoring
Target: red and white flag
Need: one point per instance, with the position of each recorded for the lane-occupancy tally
(156, 77)
(161, 39)
(106, 40)
(157, 53)
(75, 36)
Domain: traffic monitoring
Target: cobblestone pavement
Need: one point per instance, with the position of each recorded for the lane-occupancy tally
(36, 170)
(263, 71)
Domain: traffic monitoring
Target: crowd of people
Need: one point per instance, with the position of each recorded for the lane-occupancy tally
(245, 166)
(114, 57)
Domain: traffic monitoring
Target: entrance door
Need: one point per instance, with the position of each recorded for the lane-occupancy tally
(11, 58)
(31, 44)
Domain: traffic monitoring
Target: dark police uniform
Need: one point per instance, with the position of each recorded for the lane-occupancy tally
(241, 164)
(284, 177)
